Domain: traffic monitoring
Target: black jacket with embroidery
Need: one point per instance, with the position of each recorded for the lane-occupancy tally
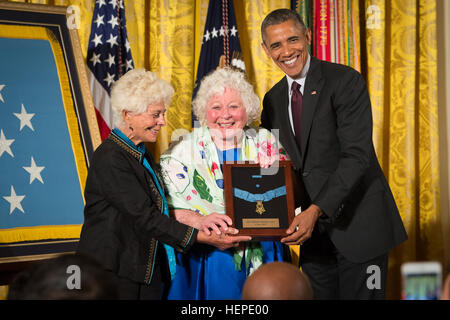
(123, 214)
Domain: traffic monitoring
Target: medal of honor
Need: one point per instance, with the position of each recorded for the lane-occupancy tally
(259, 198)
(259, 207)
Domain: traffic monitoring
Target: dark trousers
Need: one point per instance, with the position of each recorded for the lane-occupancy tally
(130, 290)
(156, 290)
(333, 277)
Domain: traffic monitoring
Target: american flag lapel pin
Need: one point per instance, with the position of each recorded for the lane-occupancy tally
(314, 93)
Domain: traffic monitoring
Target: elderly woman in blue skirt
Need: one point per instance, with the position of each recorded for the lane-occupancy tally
(226, 106)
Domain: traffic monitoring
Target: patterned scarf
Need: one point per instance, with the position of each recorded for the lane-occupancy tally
(194, 179)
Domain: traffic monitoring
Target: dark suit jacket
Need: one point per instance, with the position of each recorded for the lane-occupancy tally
(124, 223)
(337, 160)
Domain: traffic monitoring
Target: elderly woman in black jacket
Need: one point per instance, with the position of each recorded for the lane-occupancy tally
(127, 227)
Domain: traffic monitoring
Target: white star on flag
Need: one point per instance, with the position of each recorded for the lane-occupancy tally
(34, 171)
(14, 200)
(109, 78)
(25, 118)
(206, 36)
(97, 39)
(129, 64)
(223, 30)
(5, 144)
(110, 60)
(233, 31)
(113, 22)
(95, 59)
(214, 32)
(99, 20)
(113, 3)
(1, 88)
(101, 3)
(112, 40)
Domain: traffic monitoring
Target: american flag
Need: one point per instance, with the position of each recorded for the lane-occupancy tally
(220, 38)
(108, 57)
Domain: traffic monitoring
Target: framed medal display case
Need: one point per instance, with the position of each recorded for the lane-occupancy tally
(259, 201)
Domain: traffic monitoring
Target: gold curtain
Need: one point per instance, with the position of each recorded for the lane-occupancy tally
(402, 79)
(401, 71)
(261, 71)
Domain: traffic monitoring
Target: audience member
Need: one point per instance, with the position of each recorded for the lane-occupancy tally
(67, 277)
(277, 281)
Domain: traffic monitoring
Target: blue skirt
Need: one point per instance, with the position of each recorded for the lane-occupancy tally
(206, 273)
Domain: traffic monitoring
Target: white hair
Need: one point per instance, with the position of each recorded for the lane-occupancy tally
(135, 91)
(216, 82)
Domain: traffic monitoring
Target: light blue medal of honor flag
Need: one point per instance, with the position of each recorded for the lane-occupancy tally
(40, 187)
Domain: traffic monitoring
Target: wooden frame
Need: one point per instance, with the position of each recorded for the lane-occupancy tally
(260, 202)
(21, 22)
